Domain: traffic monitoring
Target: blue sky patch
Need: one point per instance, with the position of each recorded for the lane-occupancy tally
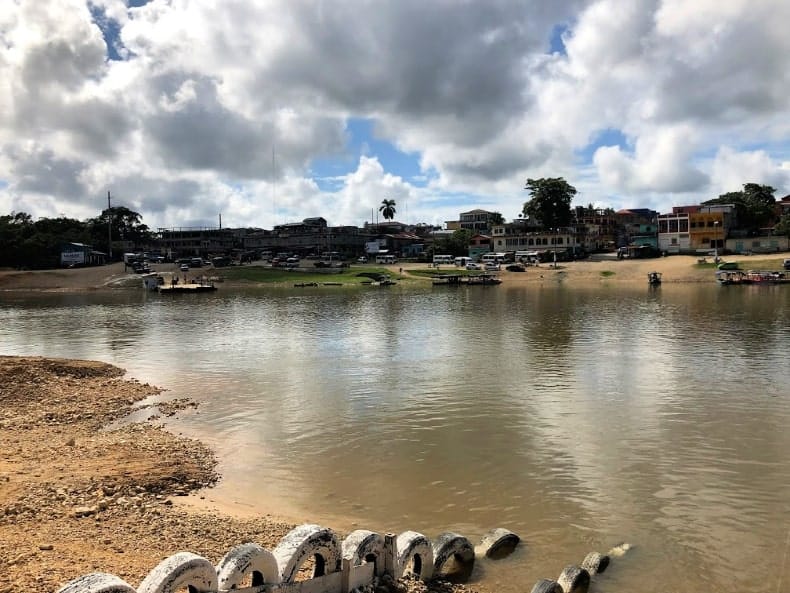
(607, 137)
(109, 29)
(556, 44)
(328, 172)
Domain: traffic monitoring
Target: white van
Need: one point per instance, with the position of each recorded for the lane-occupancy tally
(527, 257)
(462, 261)
(442, 259)
(386, 259)
(493, 258)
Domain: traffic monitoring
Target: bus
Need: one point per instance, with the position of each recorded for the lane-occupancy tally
(442, 259)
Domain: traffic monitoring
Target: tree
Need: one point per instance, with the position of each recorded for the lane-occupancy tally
(28, 244)
(127, 225)
(754, 207)
(456, 244)
(550, 202)
(783, 226)
(761, 203)
(496, 219)
(387, 209)
(14, 230)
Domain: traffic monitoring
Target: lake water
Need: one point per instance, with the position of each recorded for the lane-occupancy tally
(578, 418)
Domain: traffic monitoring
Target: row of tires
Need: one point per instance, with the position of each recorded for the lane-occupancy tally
(577, 578)
(251, 565)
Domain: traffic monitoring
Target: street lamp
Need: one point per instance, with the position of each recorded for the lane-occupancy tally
(556, 237)
(716, 241)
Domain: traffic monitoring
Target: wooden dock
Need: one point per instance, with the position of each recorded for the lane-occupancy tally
(190, 287)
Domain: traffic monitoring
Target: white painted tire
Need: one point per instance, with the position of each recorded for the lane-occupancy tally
(595, 563)
(302, 543)
(499, 543)
(97, 582)
(574, 579)
(451, 545)
(179, 571)
(243, 560)
(361, 544)
(415, 549)
(546, 586)
(620, 550)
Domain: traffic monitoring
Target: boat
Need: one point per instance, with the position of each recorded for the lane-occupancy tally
(730, 277)
(654, 278)
(483, 280)
(767, 277)
(761, 277)
(447, 280)
(472, 280)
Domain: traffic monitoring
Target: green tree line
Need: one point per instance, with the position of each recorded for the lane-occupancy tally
(36, 244)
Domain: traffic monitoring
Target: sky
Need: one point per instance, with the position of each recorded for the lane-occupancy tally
(263, 112)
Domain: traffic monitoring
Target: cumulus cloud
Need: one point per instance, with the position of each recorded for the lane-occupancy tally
(732, 169)
(182, 112)
(661, 163)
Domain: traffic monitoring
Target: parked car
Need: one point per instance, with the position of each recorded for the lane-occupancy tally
(515, 268)
(472, 266)
(492, 267)
(184, 267)
(362, 260)
(787, 264)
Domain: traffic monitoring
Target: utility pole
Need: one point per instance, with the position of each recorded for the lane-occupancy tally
(109, 229)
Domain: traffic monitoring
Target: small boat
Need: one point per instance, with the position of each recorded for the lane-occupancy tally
(483, 280)
(767, 277)
(447, 280)
(654, 278)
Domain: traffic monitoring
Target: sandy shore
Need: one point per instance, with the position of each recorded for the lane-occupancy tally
(82, 493)
(75, 498)
(596, 270)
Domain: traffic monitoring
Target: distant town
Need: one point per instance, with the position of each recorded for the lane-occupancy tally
(751, 221)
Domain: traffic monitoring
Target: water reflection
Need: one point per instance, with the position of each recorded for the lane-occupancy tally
(577, 418)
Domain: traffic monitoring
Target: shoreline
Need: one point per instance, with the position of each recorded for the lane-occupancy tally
(595, 271)
(77, 498)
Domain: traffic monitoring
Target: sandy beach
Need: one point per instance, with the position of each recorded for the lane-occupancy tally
(76, 498)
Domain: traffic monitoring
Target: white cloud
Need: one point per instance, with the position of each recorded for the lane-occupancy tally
(661, 163)
(732, 169)
(184, 127)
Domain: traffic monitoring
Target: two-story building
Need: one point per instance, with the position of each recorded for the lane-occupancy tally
(476, 221)
(520, 236)
(694, 229)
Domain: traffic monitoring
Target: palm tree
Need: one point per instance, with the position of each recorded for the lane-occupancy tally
(387, 209)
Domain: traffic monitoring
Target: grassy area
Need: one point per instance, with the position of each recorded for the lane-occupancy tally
(754, 263)
(268, 275)
(746, 263)
(607, 273)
